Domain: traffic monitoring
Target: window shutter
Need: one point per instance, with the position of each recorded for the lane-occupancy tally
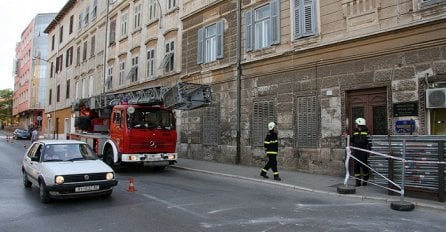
(275, 21)
(308, 17)
(200, 46)
(220, 37)
(297, 28)
(210, 126)
(263, 113)
(307, 121)
(248, 32)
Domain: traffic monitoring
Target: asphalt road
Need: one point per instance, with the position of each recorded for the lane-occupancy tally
(180, 200)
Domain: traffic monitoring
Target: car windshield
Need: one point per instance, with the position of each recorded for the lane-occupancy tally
(68, 152)
(151, 118)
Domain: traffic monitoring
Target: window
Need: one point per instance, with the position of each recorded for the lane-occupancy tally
(70, 29)
(305, 19)
(59, 63)
(262, 26)
(69, 57)
(263, 113)
(67, 91)
(124, 18)
(87, 15)
(78, 56)
(150, 63)
(92, 46)
(137, 17)
(169, 58)
(76, 90)
(51, 69)
(121, 73)
(90, 86)
(112, 35)
(83, 90)
(133, 74)
(61, 34)
(58, 93)
(210, 43)
(79, 25)
(152, 10)
(109, 81)
(171, 4)
(307, 122)
(84, 55)
(50, 95)
(94, 11)
(53, 38)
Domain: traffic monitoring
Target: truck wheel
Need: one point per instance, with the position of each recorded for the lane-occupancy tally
(108, 158)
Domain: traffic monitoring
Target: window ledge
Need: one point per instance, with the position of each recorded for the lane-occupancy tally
(151, 22)
(136, 30)
(172, 10)
(123, 38)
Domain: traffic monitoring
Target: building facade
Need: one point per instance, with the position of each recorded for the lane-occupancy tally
(312, 66)
(30, 73)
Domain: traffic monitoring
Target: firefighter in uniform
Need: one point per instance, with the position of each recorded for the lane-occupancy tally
(271, 146)
(360, 140)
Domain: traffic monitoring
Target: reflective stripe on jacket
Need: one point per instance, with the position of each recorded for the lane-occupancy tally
(271, 144)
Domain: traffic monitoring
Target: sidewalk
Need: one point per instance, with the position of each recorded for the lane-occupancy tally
(302, 182)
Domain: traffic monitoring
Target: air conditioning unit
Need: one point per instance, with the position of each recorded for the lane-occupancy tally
(436, 98)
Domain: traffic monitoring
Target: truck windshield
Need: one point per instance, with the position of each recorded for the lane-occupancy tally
(151, 118)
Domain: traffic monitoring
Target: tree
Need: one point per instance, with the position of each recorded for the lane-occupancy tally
(5, 107)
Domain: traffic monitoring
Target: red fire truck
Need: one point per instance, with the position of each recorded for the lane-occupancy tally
(136, 127)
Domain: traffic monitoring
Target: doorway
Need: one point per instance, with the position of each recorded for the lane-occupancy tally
(370, 104)
(438, 121)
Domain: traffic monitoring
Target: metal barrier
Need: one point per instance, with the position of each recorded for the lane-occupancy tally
(423, 158)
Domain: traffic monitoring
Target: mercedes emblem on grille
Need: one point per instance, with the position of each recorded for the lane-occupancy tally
(86, 177)
(152, 144)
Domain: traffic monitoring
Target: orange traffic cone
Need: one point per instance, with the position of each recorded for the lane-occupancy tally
(131, 185)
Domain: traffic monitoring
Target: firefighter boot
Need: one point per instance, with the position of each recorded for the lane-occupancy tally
(276, 177)
(358, 183)
(366, 178)
(263, 174)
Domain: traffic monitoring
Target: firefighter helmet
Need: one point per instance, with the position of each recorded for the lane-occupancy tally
(360, 121)
(271, 125)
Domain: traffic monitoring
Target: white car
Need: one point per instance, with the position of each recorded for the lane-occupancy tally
(66, 169)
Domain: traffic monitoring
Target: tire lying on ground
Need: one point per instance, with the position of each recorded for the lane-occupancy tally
(342, 189)
(402, 206)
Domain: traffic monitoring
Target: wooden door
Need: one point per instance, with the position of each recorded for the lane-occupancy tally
(370, 104)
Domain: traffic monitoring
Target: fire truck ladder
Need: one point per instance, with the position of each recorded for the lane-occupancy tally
(182, 96)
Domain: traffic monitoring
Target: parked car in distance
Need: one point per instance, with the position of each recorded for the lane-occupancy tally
(66, 169)
(21, 134)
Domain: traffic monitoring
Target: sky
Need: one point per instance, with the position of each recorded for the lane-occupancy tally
(15, 16)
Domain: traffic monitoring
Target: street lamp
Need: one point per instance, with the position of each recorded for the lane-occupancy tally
(55, 102)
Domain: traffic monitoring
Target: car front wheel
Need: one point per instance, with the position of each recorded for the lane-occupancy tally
(44, 194)
(26, 182)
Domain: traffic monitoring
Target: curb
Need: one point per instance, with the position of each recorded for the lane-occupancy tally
(300, 188)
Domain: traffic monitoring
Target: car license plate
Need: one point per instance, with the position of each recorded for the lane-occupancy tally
(86, 188)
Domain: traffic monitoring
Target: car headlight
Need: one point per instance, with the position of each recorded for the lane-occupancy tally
(59, 179)
(109, 176)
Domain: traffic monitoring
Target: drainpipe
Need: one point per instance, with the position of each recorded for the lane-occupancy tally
(104, 69)
(239, 75)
